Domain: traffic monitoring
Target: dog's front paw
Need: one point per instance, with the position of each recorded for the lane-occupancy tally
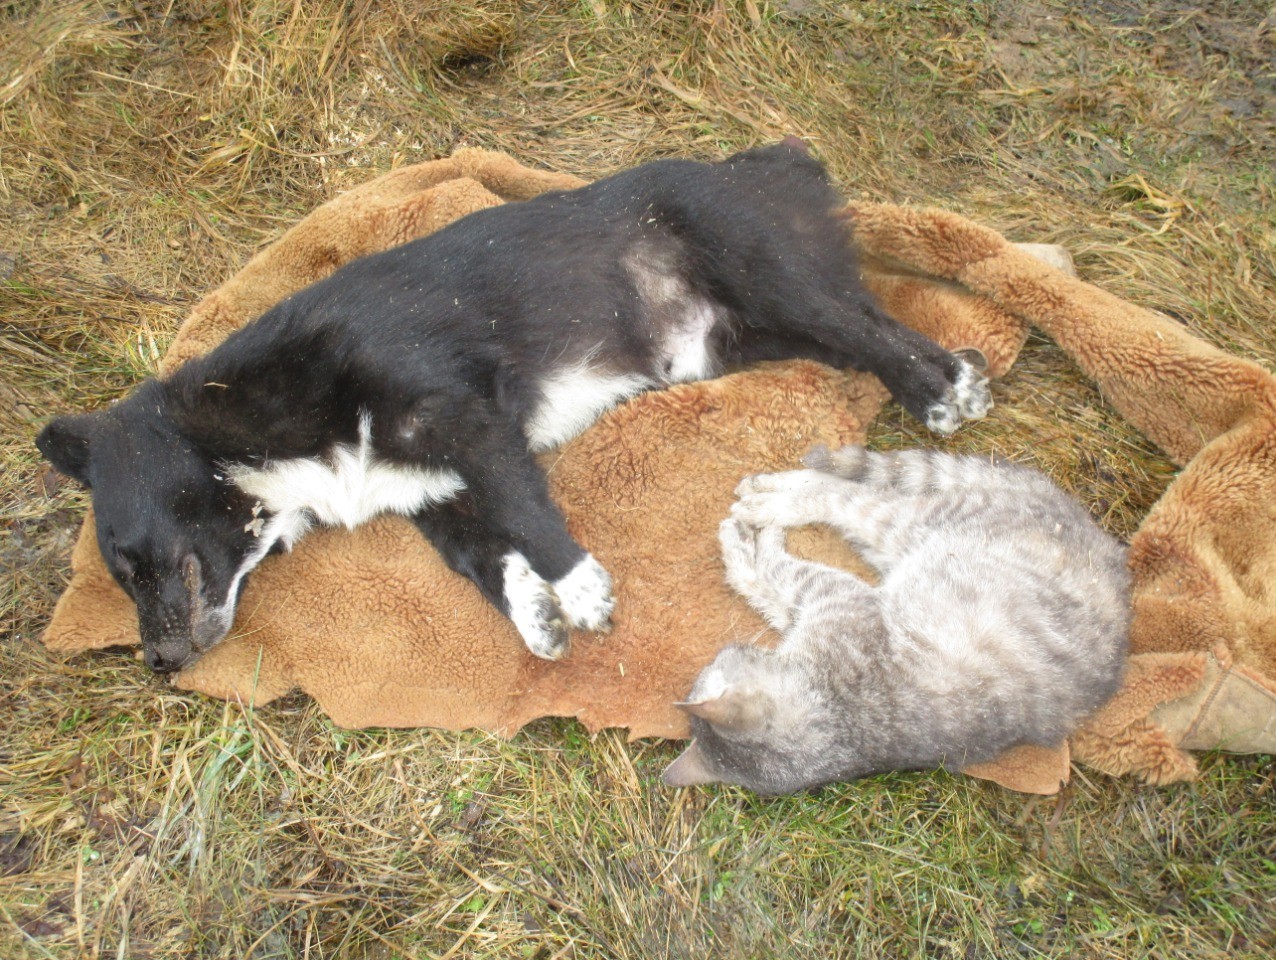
(535, 610)
(585, 595)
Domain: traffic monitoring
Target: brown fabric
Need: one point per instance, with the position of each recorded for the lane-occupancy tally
(1232, 709)
(1027, 769)
(373, 626)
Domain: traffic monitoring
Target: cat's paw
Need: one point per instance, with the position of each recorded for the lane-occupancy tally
(746, 551)
(534, 609)
(585, 596)
(739, 543)
(774, 508)
(738, 539)
(791, 499)
(787, 481)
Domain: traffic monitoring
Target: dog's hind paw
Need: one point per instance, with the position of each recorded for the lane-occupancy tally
(969, 398)
(585, 595)
(974, 398)
(943, 417)
(535, 610)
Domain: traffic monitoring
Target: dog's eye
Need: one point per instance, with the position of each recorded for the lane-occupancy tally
(123, 565)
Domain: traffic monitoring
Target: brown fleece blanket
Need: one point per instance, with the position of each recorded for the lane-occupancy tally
(374, 627)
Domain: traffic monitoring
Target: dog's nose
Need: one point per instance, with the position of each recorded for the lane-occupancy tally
(161, 662)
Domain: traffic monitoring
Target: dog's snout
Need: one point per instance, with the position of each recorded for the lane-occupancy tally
(172, 639)
(168, 656)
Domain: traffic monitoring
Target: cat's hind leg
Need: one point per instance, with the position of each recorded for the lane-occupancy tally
(747, 553)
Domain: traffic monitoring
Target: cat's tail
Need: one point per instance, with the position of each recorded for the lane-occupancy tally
(922, 470)
(849, 462)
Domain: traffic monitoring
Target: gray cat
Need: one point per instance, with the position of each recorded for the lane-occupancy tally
(1001, 618)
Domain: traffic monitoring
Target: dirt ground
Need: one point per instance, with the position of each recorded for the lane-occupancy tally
(147, 149)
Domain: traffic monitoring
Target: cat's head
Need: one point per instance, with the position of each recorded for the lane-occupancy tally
(758, 721)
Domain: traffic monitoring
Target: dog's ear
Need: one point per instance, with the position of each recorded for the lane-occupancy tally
(67, 442)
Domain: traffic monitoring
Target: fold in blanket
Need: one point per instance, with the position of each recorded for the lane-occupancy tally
(373, 625)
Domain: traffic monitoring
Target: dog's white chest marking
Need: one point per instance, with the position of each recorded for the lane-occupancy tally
(345, 489)
(349, 488)
(573, 398)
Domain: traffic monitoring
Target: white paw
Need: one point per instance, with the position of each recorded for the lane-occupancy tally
(534, 608)
(974, 399)
(739, 554)
(585, 595)
(777, 508)
(967, 399)
(788, 481)
(736, 537)
(745, 551)
(739, 557)
(945, 417)
(756, 509)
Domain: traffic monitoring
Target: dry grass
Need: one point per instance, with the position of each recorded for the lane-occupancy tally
(146, 149)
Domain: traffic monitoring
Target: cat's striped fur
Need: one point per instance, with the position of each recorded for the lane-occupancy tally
(1001, 618)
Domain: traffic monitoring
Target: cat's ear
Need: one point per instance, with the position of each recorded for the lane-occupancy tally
(690, 769)
(734, 709)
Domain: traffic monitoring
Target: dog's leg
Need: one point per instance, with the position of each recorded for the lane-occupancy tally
(513, 499)
(466, 546)
(506, 534)
(938, 387)
(501, 573)
(849, 330)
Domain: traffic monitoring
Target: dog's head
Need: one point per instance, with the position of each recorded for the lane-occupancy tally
(174, 533)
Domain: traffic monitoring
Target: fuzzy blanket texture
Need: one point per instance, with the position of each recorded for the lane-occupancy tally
(373, 626)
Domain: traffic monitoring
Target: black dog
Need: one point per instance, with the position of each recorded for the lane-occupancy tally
(420, 381)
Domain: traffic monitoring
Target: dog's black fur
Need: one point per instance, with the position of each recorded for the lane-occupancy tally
(436, 367)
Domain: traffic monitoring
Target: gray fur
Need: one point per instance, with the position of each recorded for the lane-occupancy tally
(1001, 618)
